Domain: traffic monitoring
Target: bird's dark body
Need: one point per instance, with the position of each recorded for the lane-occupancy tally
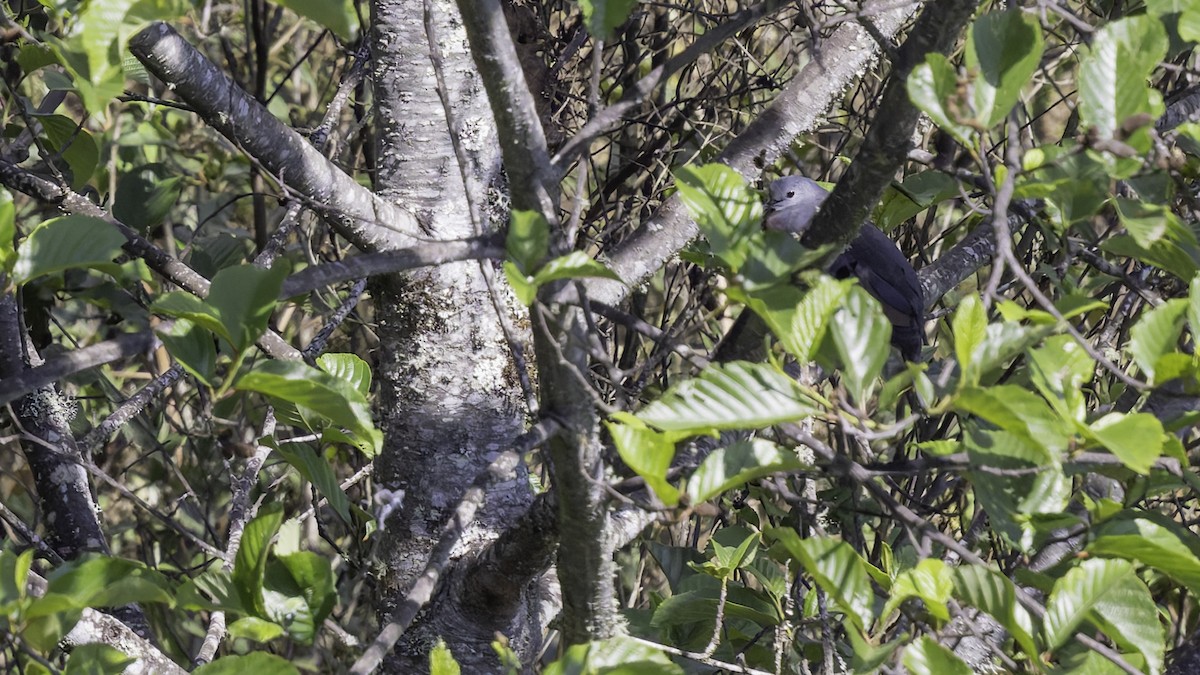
(872, 258)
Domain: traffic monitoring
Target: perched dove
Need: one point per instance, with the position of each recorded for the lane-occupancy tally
(873, 258)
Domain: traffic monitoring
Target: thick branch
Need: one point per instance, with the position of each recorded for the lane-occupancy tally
(887, 142)
(352, 210)
(122, 346)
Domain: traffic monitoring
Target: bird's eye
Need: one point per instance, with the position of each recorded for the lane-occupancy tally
(791, 193)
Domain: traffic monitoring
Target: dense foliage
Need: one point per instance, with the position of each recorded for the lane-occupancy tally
(186, 326)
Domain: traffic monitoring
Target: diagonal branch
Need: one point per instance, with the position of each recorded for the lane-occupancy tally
(355, 212)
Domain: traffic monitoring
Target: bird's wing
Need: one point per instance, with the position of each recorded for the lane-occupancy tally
(883, 271)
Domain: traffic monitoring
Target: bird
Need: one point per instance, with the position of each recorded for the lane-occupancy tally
(873, 258)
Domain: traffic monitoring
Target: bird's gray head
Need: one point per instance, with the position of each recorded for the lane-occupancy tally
(793, 202)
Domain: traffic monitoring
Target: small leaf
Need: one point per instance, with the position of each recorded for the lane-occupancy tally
(737, 464)
(65, 243)
(243, 297)
(189, 308)
(604, 16)
(1136, 439)
(929, 581)
(926, 657)
(528, 240)
(336, 15)
(647, 452)
(259, 663)
(1156, 334)
(316, 470)
(348, 367)
(256, 629)
(193, 347)
(574, 265)
(441, 661)
(969, 326)
(738, 395)
(522, 284)
(319, 394)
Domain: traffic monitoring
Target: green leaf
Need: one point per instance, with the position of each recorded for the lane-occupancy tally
(1136, 439)
(251, 564)
(917, 192)
(316, 394)
(8, 232)
(1193, 310)
(929, 581)
(1113, 73)
(933, 87)
(620, 655)
(145, 195)
(528, 240)
(969, 326)
(65, 243)
(256, 629)
(259, 663)
(737, 464)
(14, 572)
(1015, 479)
(188, 307)
(604, 16)
(727, 558)
(316, 470)
(243, 297)
(1150, 539)
(836, 567)
(647, 452)
(298, 593)
(1059, 369)
(441, 661)
(1016, 410)
(926, 657)
(76, 146)
(738, 395)
(521, 283)
(861, 334)
(1156, 334)
(193, 347)
(992, 592)
(336, 15)
(1158, 236)
(97, 659)
(802, 325)
(1109, 594)
(574, 265)
(727, 212)
(348, 367)
(101, 581)
(1004, 48)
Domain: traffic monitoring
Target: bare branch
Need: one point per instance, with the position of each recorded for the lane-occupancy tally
(120, 347)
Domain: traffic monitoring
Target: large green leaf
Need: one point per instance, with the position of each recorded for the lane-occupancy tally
(145, 195)
(969, 326)
(298, 593)
(188, 307)
(738, 395)
(319, 394)
(528, 240)
(929, 581)
(991, 592)
(243, 297)
(620, 655)
(348, 367)
(1004, 48)
(1015, 479)
(1018, 411)
(1113, 73)
(743, 461)
(1150, 539)
(250, 566)
(926, 657)
(861, 334)
(647, 451)
(1059, 369)
(836, 567)
(1157, 236)
(102, 581)
(258, 663)
(1156, 334)
(193, 348)
(64, 243)
(75, 145)
(316, 470)
(727, 211)
(1109, 594)
(1136, 438)
(934, 88)
(913, 195)
(801, 319)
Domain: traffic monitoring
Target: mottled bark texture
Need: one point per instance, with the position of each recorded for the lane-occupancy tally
(449, 393)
